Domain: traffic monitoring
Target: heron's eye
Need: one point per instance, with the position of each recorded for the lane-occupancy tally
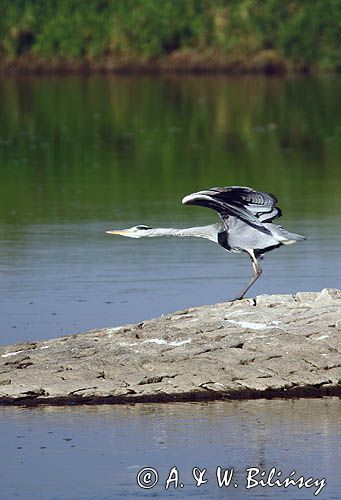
(142, 227)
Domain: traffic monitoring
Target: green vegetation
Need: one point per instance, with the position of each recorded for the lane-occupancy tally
(231, 34)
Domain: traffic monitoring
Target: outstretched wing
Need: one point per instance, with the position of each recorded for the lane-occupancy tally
(253, 207)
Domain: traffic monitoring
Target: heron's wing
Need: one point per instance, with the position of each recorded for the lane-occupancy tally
(253, 207)
(261, 204)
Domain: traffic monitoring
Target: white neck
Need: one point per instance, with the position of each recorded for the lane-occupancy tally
(208, 232)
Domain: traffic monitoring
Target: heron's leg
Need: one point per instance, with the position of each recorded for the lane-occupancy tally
(257, 271)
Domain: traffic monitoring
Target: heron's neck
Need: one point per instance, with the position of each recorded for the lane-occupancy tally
(209, 232)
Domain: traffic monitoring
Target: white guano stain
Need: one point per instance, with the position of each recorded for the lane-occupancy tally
(110, 331)
(236, 313)
(321, 337)
(164, 342)
(254, 326)
(173, 343)
(11, 353)
(127, 344)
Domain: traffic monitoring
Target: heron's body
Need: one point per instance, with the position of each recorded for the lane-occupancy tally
(240, 237)
(246, 224)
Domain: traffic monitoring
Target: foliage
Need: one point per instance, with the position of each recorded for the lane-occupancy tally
(306, 33)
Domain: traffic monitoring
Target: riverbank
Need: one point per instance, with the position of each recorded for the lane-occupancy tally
(192, 35)
(267, 62)
(270, 346)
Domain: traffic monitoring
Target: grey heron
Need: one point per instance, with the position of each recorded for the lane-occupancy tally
(245, 224)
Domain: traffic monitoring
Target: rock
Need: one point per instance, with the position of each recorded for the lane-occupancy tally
(327, 295)
(273, 300)
(271, 346)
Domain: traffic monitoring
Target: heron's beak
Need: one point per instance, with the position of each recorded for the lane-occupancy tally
(121, 232)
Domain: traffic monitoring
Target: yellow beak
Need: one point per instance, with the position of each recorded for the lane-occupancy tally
(122, 232)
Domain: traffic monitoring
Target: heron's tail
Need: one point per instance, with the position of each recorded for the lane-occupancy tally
(285, 237)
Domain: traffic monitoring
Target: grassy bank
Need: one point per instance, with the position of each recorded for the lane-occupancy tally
(204, 35)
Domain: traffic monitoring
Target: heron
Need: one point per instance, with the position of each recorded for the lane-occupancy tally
(245, 224)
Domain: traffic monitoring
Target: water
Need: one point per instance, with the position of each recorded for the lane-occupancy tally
(96, 453)
(79, 156)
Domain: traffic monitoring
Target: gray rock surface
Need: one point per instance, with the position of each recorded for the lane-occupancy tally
(271, 346)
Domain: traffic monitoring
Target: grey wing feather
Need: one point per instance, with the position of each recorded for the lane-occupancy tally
(262, 205)
(253, 207)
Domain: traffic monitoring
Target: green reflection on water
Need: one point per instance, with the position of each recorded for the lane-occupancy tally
(116, 148)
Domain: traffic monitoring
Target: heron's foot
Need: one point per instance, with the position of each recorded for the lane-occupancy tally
(239, 297)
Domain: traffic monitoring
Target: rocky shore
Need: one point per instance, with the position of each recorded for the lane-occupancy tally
(271, 346)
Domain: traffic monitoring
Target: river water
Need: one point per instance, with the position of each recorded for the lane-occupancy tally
(97, 453)
(79, 156)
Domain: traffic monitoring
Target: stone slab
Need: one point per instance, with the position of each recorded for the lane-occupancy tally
(270, 346)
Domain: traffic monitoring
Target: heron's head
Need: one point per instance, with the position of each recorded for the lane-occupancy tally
(132, 232)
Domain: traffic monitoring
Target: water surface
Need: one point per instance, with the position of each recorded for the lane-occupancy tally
(79, 156)
(96, 453)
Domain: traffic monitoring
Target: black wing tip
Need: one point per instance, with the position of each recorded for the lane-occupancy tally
(272, 196)
(279, 213)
